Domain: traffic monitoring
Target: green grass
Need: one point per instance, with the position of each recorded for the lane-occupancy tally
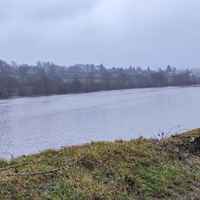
(138, 169)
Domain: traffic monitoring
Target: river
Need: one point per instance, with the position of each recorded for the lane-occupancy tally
(30, 125)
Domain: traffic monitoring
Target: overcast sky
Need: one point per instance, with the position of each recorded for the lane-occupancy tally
(111, 32)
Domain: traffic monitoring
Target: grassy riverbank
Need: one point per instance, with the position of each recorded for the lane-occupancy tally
(138, 169)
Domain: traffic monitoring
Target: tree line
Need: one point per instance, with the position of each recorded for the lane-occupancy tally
(45, 78)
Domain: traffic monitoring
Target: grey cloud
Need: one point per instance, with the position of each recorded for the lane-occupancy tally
(42, 10)
(55, 10)
(114, 32)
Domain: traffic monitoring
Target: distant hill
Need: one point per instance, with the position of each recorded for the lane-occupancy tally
(196, 71)
(47, 78)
